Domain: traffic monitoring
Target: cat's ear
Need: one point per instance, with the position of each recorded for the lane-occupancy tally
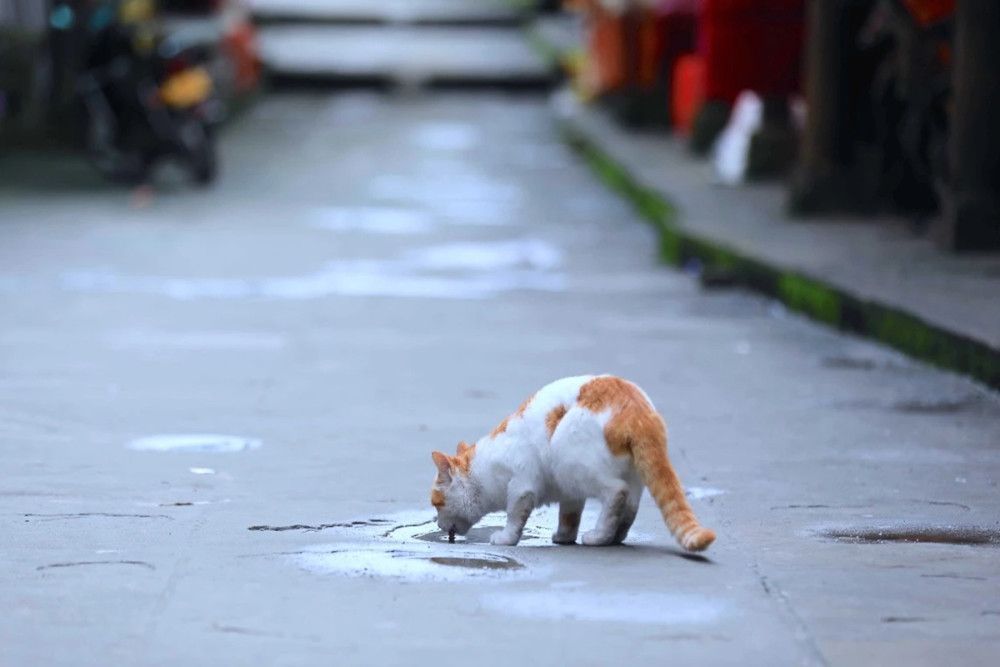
(443, 464)
(463, 447)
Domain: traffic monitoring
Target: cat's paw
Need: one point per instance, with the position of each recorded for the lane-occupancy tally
(597, 538)
(502, 539)
(560, 537)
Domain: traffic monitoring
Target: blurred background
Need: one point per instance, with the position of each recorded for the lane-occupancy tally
(870, 106)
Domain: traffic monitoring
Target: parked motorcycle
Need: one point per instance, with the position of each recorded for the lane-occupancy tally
(144, 97)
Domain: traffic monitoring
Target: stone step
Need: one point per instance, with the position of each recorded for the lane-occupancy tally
(402, 56)
(407, 12)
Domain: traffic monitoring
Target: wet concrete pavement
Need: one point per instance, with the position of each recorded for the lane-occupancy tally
(376, 277)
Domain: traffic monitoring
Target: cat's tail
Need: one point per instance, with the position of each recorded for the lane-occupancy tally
(650, 456)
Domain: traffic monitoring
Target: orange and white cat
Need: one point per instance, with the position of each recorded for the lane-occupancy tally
(576, 439)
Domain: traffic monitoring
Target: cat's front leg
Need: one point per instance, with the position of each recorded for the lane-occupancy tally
(519, 507)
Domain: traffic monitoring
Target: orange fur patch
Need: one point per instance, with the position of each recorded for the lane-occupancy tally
(464, 459)
(502, 427)
(553, 418)
(524, 406)
(437, 498)
(633, 416)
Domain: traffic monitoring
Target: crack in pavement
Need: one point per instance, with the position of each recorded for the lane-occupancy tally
(799, 627)
(138, 563)
(85, 515)
(322, 526)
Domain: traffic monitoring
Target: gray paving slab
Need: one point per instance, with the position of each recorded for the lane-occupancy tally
(386, 11)
(405, 55)
(377, 277)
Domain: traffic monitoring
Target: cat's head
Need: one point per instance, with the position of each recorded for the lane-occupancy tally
(453, 494)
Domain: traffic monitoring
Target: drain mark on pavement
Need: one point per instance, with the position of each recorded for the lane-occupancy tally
(903, 619)
(953, 576)
(958, 535)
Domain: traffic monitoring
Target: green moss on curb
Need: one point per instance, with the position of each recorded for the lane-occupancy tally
(821, 301)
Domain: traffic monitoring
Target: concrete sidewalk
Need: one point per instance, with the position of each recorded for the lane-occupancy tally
(867, 275)
(377, 277)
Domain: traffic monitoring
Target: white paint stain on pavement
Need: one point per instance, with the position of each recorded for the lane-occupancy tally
(519, 254)
(200, 443)
(702, 492)
(622, 607)
(446, 136)
(372, 220)
(478, 271)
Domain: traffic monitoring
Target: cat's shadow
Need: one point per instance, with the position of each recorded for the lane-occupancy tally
(480, 536)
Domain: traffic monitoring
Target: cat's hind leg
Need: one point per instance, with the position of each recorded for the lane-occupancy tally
(628, 516)
(615, 499)
(570, 512)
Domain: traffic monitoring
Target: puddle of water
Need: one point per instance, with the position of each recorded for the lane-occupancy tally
(702, 492)
(480, 562)
(408, 546)
(622, 607)
(223, 444)
(415, 563)
(374, 220)
(959, 535)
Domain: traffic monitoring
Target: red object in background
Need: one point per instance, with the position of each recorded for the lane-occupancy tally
(927, 12)
(676, 29)
(656, 37)
(241, 43)
(687, 92)
(606, 45)
(751, 45)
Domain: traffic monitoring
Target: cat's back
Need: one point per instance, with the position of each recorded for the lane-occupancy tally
(562, 393)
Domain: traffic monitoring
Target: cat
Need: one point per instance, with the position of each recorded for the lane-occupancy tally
(593, 436)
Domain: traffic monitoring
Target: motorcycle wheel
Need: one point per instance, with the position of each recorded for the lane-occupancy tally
(199, 144)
